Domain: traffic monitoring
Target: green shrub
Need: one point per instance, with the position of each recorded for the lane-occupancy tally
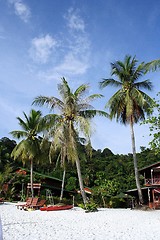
(89, 207)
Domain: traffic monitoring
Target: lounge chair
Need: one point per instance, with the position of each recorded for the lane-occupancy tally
(39, 204)
(33, 204)
(25, 205)
(1, 200)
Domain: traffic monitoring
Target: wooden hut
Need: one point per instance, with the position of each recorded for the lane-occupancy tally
(151, 188)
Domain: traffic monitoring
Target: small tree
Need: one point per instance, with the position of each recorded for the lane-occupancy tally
(154, 122)
(29, 148)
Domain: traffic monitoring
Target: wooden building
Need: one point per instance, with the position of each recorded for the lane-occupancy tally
(151, 188)
(42, 184)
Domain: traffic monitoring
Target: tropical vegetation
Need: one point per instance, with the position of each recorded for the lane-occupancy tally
(154, 125)
(64, 134)
(108, 175)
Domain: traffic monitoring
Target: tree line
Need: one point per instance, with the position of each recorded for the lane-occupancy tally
(105, 173)
(60, 132)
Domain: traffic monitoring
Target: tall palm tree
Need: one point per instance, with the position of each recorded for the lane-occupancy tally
(29, 149)
(129, 104)
(72, 119)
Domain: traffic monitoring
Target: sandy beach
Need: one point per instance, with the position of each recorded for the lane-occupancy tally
(75, 224)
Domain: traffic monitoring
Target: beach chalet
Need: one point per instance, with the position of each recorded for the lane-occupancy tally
(43, 183)
(151, 188)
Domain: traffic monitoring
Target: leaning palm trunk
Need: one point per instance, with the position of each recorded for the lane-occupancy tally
(81, 182)
(62, 188)
(72, 137)
(135, 165)
(32, 179)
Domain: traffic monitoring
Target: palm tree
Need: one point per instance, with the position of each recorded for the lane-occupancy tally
(29, 149)
(129, 104)
(72, 119)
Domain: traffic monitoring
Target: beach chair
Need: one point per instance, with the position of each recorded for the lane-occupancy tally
(39, 204)
(33, 204)
(25, 205)
(1, 200)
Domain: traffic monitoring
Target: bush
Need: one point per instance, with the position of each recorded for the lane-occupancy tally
(90, 207)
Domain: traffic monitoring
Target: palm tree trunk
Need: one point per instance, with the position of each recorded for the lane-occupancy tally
(62, 188)
(135, 165)
(32, 194)
(75, 154)
(81, 182)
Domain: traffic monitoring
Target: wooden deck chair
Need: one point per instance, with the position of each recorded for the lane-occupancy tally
(1, 200)
(25, 205)
(34, 203)
(41, 203)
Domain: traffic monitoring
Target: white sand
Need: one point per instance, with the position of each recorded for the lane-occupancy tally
(75, 224)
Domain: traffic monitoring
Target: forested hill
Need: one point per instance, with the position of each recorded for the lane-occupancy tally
(100, 168)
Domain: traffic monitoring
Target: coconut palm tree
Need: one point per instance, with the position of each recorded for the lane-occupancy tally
(129, 104)
(29, 148)
(72, 119)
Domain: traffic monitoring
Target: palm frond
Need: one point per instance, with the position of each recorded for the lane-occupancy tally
(116, 104)
(84, 106)
(64, 89)
(146, 84)
(23, 124)
(19, 134)
(138, 72)
(111, 82)
(80, 91)
(50, 120)
(50, 102)
(21, 151)
(92, 113)
(84, 126)
(93, 97)
(153, 65)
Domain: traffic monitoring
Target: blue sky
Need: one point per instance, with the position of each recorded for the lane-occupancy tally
(43, 41)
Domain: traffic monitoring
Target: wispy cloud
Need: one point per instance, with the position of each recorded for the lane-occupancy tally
(76, 59)
(42, 48)
(72, 65)
(21, 9)
(74, 21)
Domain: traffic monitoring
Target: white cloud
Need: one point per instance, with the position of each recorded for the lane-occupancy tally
(21, 9)
(74, 21)
(73, 54)
(76, 60)
(42, 48)
(72, 65)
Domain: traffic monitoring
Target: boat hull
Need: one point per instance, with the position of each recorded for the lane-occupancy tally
(56, 208)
